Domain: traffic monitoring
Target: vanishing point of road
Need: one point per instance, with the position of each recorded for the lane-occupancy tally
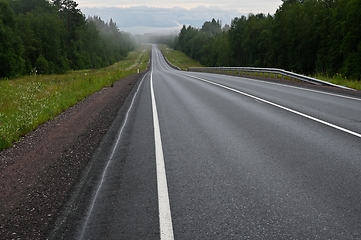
(208, 156)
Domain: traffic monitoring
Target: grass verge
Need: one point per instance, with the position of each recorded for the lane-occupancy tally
(340, 80)
(178, 58)
(29, 101)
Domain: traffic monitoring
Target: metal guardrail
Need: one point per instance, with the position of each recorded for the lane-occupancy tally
(269, 71)
(169, 63)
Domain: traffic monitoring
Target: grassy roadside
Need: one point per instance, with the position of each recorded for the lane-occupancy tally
(178, 58)
(29, 101)
(340, 80)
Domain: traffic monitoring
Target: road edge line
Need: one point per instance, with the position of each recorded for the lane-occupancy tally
(280, 106)
(165, 217)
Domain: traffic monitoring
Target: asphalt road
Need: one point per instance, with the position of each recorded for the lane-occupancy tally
(205, 156)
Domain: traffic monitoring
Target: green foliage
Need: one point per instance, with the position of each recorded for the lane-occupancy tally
(41, 65)
(10, 46)
(208, 45)
(305, 36)
(50, 37)
(29, 101)
(340, 80)
(212, 28)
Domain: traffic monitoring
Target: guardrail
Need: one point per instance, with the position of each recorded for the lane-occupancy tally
(169, 63)
(256, 72)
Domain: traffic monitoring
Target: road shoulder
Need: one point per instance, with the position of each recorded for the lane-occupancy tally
(39, 173)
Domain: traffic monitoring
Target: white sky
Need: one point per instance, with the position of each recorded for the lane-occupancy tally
(139, 16)
(244, 6)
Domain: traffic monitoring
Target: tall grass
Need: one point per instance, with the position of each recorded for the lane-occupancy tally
(29, 101)
(340, 80)
(178, 58)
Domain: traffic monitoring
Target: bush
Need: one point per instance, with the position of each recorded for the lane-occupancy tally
(42, 65)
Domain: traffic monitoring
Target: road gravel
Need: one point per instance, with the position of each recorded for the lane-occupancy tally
(39, 172)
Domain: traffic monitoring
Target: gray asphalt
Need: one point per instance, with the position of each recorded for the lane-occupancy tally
(239, 165)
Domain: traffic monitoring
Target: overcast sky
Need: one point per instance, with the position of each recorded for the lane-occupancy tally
(139, 16)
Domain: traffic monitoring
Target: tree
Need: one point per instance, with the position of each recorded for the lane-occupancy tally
(54, 37)
(213, 27)
(351, 42)
(236, 41)
(10, 46)
(305, 36)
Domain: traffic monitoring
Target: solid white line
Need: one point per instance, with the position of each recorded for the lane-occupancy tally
(109, 160)
(165, 217)
(299, 88)
(304, 89)
(279, 106)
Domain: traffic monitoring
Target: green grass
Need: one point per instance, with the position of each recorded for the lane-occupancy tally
(178, 58)
(29, 101)
(340, 80)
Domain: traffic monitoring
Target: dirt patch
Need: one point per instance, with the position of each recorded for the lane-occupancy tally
(38, 173)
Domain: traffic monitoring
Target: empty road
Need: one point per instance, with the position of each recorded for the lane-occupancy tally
(206, 156)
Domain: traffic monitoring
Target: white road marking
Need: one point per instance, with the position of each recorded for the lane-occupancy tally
(109, 160)
(165, 217)
(306, 89)
(279, 106)
(300, 88)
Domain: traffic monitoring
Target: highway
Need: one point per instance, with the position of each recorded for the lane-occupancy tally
(207, 156)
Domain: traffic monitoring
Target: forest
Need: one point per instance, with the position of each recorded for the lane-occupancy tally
(53, 36)
(304, 36)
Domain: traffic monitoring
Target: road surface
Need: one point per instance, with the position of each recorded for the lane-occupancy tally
(206, 156)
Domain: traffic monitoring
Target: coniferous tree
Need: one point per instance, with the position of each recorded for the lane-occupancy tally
(305, 36)
(41, 36)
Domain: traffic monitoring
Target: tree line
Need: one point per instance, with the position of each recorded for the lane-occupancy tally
(53, 36)
(305, 36)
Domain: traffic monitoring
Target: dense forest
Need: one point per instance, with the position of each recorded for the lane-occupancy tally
(53, 36)
(305, 36)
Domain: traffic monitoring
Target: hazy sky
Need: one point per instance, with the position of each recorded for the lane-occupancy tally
(139, 16)
(246, 6)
